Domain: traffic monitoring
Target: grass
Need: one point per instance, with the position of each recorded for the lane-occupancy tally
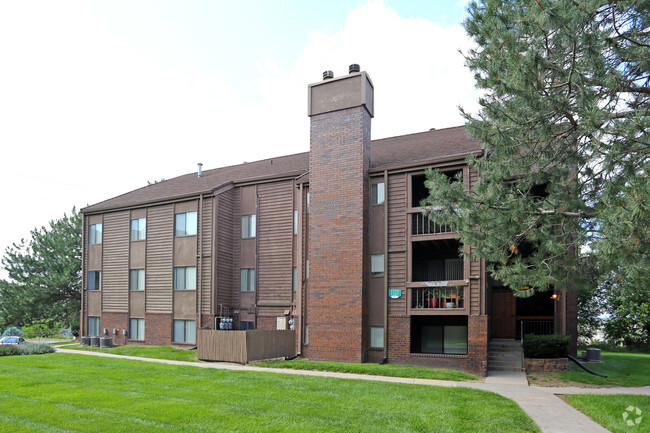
(158, 352)
(607, 410)
(63, 392)
(374, 369)
(621, 368)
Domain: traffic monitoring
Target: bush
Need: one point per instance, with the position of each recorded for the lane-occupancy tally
(74, 327)
(546, 346)
(9, 350)
(40, 329)
(35, 349)
(12, 331)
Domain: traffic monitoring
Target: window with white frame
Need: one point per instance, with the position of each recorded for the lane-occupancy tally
(378, 193)
(136, 329)
(94, 326)
(377, 337)
(248, 280)
(138, 229)
(95, 234)
(136, 279)
(94, 280)
(185, 278)
(184, 331)
(295, 221)
(248, 226)
(185, 224)
(377, 265)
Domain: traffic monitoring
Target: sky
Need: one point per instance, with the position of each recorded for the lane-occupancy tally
(99, 98)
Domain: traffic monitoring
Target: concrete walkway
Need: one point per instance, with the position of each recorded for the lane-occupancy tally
(548, 411)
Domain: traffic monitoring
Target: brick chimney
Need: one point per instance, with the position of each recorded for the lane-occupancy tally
(340, 111)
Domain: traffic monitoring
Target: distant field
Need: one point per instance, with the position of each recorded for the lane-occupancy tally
(63, 392)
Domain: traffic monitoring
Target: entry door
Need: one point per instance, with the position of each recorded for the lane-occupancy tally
(503, 315)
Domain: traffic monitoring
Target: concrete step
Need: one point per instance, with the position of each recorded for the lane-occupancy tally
(505, 364)
(518, 370)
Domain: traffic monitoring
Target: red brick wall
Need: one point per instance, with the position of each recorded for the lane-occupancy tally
(158, 329)
(477, 344)
(338, 229)
(399, 337)
(117, 321)
(266, 322)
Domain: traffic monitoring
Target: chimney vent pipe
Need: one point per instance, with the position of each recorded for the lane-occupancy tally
(328, 75)
(354, 67)
(200, 169)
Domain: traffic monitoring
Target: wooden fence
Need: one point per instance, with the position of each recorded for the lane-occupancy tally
(244, 346)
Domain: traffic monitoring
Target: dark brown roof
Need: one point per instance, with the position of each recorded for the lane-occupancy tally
(385, 153)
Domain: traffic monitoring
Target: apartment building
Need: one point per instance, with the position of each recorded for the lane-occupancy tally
(330, 242)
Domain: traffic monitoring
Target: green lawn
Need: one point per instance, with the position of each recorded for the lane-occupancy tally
(607, 410)
(158, 352)
(393, 370)
(63, 392)
(621, 368)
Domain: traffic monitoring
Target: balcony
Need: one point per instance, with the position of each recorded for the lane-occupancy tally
(421, 225)
(437, 299)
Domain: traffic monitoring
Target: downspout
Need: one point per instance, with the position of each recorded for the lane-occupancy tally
(199, 245)
(299, 279)
(386, 265)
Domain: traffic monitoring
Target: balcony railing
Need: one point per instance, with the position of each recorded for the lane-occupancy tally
(421, 225)
(537, 327)
(440, 298)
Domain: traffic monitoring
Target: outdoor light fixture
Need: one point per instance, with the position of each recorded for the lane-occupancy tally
(555, 297)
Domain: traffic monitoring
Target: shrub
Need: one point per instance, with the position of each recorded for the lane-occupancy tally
(40, 329)
(12, 331)
(74, 327)
(9, 350)
(546, 346)
(35, 349)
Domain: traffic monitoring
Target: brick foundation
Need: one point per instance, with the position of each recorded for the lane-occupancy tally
(546, 364)
(158, 329)
(117, 321)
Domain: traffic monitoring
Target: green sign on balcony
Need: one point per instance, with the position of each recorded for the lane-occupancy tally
(395, 293)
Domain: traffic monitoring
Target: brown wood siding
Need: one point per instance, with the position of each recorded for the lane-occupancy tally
(275, 237)
(84, 277)
(206, 227)
(224, 248)
(397, 205)
(115, 266)
(160, 238)
(474, 266)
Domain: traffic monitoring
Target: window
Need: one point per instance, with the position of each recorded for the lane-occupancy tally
(185, 224)
(377, 265)
(248, 280)
(94, 326)
(136, 279)
(95, 234)
(184, 331)
(138, 229)
(95, 280)
(295, 221)
(245, 326)
(431, 334)
(248, 226)
(294, 279)
(136, 329)
(185, 278)
(377, 337)
(378, 193)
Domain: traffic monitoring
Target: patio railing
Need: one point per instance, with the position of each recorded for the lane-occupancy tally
(441, 298)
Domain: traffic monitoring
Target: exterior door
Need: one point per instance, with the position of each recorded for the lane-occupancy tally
(503, 315)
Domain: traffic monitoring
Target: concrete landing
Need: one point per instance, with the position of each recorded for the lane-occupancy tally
(506, 378)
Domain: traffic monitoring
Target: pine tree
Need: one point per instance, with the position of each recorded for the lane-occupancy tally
(44, 275)
(564, 189)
